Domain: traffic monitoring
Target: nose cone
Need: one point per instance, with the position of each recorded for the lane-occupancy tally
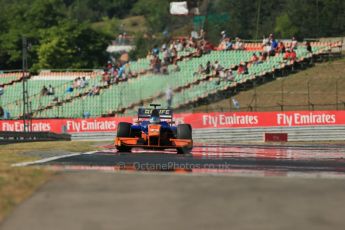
(154, 130)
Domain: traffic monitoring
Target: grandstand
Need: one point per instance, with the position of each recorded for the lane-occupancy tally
(124, 96)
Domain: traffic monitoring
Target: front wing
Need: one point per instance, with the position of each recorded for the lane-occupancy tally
(133, 142)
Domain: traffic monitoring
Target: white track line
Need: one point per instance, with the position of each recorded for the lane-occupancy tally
(45, 160)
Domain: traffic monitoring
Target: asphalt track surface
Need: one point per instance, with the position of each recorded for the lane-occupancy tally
(277, 160)
(215, 187)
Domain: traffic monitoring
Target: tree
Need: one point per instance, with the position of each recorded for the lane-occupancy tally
(72, 45)
(284, 27)
(155, 11)
(26, 18)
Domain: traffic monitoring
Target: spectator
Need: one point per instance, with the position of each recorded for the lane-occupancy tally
(202, 34)
(169, 96)
(200, 71)
(208, 68)
(309, 49)
(2, 112)
(281, 48)
(246, 68)
(294, 43)
(105, 78)
(176, 68)
(287, 55)
(109, 66)
(51, 90)
(190, 43)
(263, 57)
(1, 90)
(166, 56)
(217, 68)
(293, 55)
(242, 69)
(121, 71)
(222, 45)
(254, 59)
(155, 64)
(198, 52)
(152, 62)
(174, 55)
(86, 115)
(267, 48)
(223, 34)
(44, 91)
(69, 89)
(228, 44)
(265, 41)
(164, 47)
(7, 115)
(229, 75)
(172, 45)
(274, 45)
(128, 72)
(83, 82)
(207, 47)
(239, 44)
(290, 55)
(115, 75)
(155, 50)
(235, 103)
(164, 69)
(95, 90)
(149, 55)
(76, 83)
(179, 46)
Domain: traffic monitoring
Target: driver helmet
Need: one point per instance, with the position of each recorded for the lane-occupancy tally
(155, 117)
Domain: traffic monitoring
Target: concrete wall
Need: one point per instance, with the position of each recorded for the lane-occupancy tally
(311, 133)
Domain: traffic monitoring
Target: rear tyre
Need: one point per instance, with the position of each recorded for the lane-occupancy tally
(184, 131)
(123, 130)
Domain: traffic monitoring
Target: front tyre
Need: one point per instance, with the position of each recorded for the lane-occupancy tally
(184, 131)
(123, 130)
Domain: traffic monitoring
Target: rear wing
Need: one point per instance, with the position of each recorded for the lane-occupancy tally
(163, 113)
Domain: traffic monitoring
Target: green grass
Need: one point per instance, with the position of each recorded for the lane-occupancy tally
(322, 80)
(131, 25)
(18, 183)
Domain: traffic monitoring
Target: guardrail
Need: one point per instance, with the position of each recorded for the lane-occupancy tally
(17, 137)
(228, 135)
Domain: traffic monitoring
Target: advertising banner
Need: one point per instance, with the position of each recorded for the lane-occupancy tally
(197, 120)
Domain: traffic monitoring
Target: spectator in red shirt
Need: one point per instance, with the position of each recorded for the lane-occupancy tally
(293, 55)
(287, 55)
(242, 69)
(254, 58)
(290, 55)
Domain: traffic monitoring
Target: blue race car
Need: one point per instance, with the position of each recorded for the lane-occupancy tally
(154, 129)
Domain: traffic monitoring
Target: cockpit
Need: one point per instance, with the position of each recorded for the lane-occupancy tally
(155, 119)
